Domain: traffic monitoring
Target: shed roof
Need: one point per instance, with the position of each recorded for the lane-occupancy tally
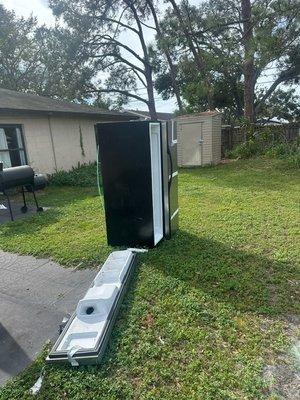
(200, 114)
(14, 102)
(162, 116)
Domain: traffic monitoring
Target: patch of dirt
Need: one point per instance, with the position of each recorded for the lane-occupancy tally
(282, 378)
(282, 381)
(228, 160)
(148, 322)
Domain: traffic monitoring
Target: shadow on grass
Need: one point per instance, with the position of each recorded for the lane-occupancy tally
(57, 199)
(243, 281)
(55, 196)
(30, 224)
(249, 282)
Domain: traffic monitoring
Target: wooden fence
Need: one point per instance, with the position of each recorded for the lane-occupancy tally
(233, 136)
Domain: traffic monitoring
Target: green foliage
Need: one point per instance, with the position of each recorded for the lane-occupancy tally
(44, 61)
(244, 150)
(286, 151)
(261, 146)
(78, 60)
(83, 175)
(282, 104)
(217, 31)
(19, 63)
(205, 310)
(117, 66)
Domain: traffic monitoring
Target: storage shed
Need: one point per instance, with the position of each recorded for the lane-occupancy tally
(199, 139)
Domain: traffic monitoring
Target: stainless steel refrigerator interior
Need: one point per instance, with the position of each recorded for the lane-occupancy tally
(139, 177)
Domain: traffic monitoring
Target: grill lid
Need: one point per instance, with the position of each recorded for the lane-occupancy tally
(16, 176)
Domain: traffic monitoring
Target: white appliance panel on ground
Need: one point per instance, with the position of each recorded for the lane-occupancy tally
(85, 336)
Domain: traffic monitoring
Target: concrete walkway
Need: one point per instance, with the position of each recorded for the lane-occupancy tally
(35, 294)
(16, 209)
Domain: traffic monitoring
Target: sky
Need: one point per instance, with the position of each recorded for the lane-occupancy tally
(39, 8)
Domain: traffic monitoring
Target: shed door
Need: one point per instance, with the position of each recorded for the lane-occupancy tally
(191, 142)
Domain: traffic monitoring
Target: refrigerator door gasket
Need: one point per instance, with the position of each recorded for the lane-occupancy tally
(156, 175)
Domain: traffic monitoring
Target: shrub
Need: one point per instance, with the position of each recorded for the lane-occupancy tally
(294, 159)
(280, 149)
(286, 151)
(245, 150)
(82, 175)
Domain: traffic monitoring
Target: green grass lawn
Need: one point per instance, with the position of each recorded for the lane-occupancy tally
(206, 311)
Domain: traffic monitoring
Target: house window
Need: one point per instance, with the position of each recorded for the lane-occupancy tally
(12, 151)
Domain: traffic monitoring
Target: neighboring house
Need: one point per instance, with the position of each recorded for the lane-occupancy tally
(145, 115)
(48, 134)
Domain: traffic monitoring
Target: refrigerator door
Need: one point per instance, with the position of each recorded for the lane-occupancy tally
(132, 184)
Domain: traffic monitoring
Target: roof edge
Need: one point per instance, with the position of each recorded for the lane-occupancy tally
(200, 114)
(117, 115)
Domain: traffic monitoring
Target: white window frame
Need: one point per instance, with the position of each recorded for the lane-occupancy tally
(21, 146)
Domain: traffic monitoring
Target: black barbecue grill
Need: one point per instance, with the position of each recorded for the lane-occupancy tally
(25, 178)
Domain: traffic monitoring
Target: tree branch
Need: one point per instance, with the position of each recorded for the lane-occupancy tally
(124, 46)
(218, 26)
(188, 35)
(121, 59)
(139, 25)
(114, 21)
(139, 77)
(167, 55)
(283, 77)
(148, 26)
(124, 92)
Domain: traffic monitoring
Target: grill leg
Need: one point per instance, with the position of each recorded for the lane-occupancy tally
(24, 209)
(9, 205)
(38, 208)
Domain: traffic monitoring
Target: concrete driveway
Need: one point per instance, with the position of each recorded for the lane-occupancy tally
(35, 294)
(16, 210)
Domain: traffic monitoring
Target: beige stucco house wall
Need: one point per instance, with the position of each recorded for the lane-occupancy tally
(57, 135)
(199, 139)
(53, 143)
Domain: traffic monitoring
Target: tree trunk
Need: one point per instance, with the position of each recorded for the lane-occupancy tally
(238, 102)
(174, 80)
(196, 53)
(150, 91)
(168, 56)
(147, 66)
(248, 60)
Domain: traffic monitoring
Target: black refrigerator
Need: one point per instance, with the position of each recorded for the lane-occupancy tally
(138, 162)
